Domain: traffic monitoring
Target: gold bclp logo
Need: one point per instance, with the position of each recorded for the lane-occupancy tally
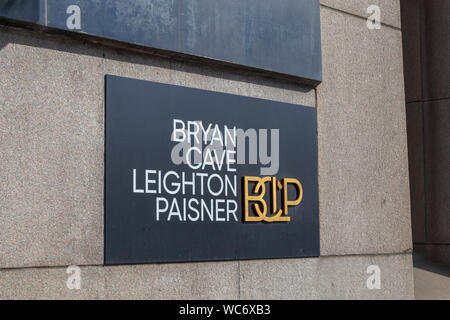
(260, 205)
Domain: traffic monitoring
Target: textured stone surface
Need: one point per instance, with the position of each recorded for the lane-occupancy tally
(51, 136)
(390, 9)
(416, 170)
(173, 281)
(316, 278)
(363, 161)
(133, 65)
(431, 286)
(158, 281)
(432, 271)
(437, 166)
(50, 284)
(327, 278)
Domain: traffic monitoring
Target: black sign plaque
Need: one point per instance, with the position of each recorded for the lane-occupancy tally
(194, 175)
(278, 37)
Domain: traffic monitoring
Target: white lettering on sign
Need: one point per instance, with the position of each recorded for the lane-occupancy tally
(205, 148)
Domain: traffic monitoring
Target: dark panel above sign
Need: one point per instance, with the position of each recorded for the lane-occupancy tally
(163, 206)
(280, 36)
(24, 10)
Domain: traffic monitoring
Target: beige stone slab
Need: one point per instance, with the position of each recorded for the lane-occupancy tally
(157, 281)
(51, 137)
(215, 280)
(436, 49)
(140, 66)
(390, 9)
(327, 278)
(313, 278)
(51, 284)
(363, 161)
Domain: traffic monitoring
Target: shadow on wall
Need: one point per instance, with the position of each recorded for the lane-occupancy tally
(426, 47)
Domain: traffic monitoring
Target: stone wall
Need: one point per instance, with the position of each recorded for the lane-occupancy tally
(52, 142)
